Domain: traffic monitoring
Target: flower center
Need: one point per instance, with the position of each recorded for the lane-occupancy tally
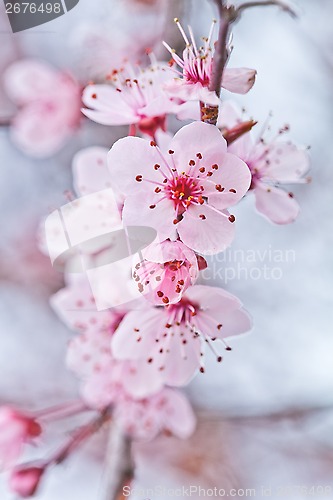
(184, 191)
(182, 312)
(197, 69)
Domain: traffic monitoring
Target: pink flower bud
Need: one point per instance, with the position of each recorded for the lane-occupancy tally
(25, 481)
(16, 429)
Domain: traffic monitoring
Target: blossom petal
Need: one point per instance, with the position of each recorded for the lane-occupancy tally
(75, 305)
(90, 170)
(37, 132)
(189, 110)
(275, 203)
(29, 80)
(208, 236)
(107, 106)
(197, 138)
(180, 362)
(140, 379)
(235, 323)
(130, 157)
(216, 301)
(180, 419)
(137, 212)
(238, 80)
(287, 162)
(144, 325)
(185, 91)
(234, 177)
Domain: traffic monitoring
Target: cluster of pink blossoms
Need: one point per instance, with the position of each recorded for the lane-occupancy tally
(132, 358)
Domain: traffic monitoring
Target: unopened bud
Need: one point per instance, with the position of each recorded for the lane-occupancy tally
(234, 133)
(25, 481)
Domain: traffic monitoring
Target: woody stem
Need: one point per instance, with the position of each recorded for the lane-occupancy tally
(221, 53)
(266, 3)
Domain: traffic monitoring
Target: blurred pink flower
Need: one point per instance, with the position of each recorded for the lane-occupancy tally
(49, 106)
(271, 163)
(184, 193)
(193, 81)
(89, 354)
(105, 379)
(167, 411)
(172, 339)
(131, 387)
(131, 98)
(24, 481)
(167, 270)
(16, 429)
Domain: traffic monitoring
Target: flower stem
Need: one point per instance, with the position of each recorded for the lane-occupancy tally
(79, 437)
(61, 411)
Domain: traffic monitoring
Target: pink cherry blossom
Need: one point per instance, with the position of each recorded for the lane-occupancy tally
(172, 339)
(49, 106)
(193, 81)
(133, 98)
(144, 419)
(24, 481)
(89, 354)
(272, 164)
(76, 307)
(104, 379)
(166, 271)
(16, 429)
(184, 193)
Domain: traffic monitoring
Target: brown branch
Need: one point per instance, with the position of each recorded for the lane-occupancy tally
(221, 53)
(265, 3)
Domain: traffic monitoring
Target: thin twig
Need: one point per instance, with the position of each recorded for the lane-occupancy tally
(265, 3)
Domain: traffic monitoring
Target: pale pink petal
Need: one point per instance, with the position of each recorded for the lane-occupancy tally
(136, 334)
(137, 212)
(130, 157)
(197, 138)
(140, 419)
(140, 378)
(186, 91)
(179, 417)
(102, 389)
(208, 236)
(29, 80)
(161, 105)
(214, 300)
(76, 307)
(275, 203)
(90, 170)
(38, 132)
(287, 162)
(107, 106)
(243, 147)
(235, 323)
(229, 115)
(179, 363)
(234, 177)
(189, 110)
(238, 80)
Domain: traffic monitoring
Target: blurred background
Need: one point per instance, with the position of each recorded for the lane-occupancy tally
(265, 415)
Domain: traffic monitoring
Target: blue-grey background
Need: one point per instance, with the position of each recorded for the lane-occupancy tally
(286, 362)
